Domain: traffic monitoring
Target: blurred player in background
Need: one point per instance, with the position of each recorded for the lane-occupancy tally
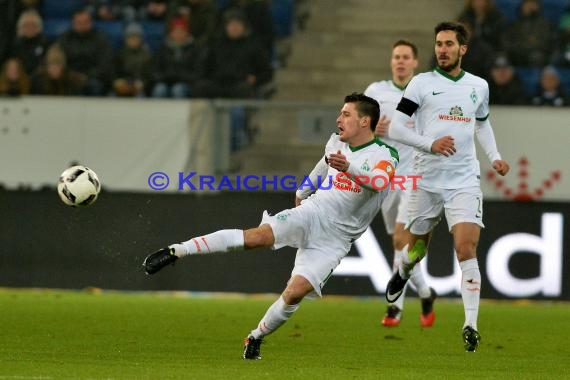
(388, 93)
(451, 106)
(325, 223)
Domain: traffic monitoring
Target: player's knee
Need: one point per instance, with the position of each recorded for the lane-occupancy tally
(400, 237)
(261, 236)
(399, 240)
(296, 290)
(291, 297)
(466, 250)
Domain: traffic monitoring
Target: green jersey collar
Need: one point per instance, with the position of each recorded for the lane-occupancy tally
(401, 88)
(356, 148)
(445, 74)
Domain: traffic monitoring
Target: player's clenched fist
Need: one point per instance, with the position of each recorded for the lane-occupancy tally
(501, 166)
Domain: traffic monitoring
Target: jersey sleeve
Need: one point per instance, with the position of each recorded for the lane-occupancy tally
(370, 90)
(374, 90)
(486, 137)
(410, 102)
(482, 112)
(333, 145)
(400, 132)
(413, 91)
(320, 170)
(315, 178)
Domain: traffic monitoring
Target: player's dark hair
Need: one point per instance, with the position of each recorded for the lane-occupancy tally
(459, 29)
(365, 106)
(406, 43)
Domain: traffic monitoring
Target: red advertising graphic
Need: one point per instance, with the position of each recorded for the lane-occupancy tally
(522, 193)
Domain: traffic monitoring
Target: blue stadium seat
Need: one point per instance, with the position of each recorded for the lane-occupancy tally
(530, 77)
(61, 8)
(153, 33)
(509, 8)
(113, 30)
(552, 9)
(282, 12)
(54, 27)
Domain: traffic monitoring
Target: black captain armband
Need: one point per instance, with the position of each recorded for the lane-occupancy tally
(407, 106)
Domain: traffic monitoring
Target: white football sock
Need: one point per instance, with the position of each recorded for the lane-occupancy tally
(275, 317)
(417, 279)
(470, 290)
(398, 253)
(219, 241)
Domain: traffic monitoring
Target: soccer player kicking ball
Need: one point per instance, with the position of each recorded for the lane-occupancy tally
(388, 93)
(325, 223)
(451, 106)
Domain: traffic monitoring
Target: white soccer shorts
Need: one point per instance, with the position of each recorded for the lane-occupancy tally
(321, 245)
(425, 208)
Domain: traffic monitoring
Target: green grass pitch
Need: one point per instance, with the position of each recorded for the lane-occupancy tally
(114, 335)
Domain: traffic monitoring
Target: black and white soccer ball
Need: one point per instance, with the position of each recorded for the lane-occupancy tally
(78, 186)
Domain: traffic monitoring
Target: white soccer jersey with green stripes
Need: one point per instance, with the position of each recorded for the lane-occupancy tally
(350, 205)
(447, 106)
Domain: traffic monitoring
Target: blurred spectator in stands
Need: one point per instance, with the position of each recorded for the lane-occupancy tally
(89, 52)
(203, 17)
(260, 20)
(113, 10)
(550, 92)
(488, 22)
(132, 63)
(480, 54)
(154, 10)
(505, 87)
(13, 79)
(30, 45)
(54, 78)
(530, 40)
(235, 65)
(10, 11)
(562, 57)
(176, 62)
